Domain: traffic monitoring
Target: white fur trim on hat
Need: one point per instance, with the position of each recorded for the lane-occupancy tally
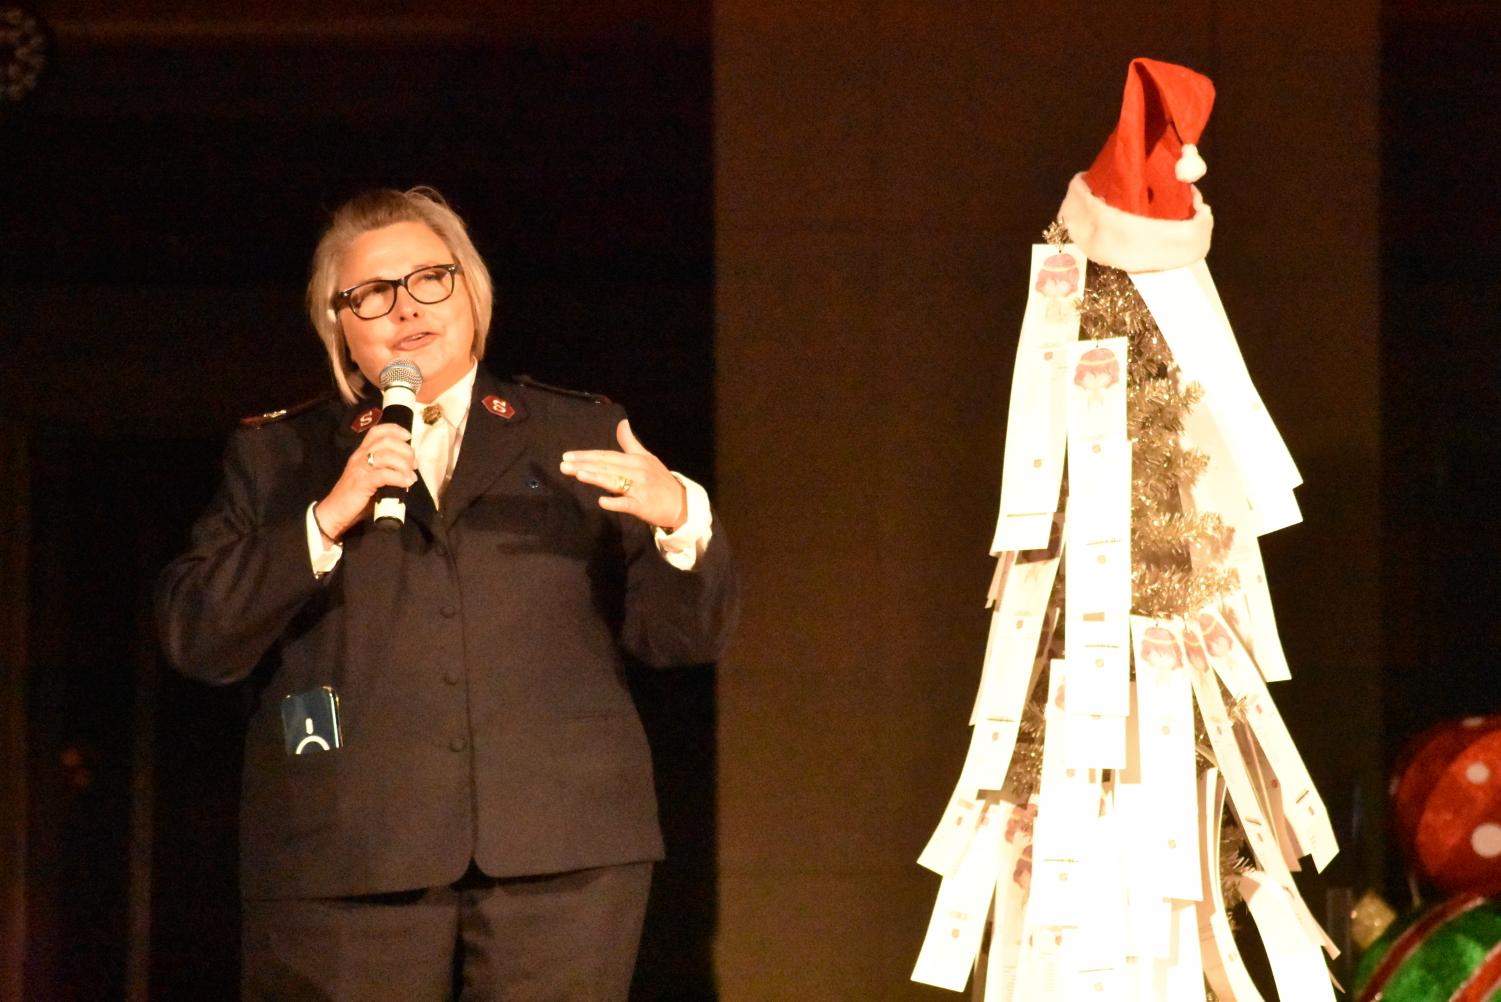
(1130, 242)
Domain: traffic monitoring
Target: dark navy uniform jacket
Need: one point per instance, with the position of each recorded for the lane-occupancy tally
(478, 654)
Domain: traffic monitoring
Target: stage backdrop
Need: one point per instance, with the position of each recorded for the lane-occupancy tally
(882, 167)
(160, 194)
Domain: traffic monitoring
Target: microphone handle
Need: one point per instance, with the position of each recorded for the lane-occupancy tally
(391, 502)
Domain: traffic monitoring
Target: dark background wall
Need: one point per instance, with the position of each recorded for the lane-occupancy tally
(1441, 375)
(160, 194)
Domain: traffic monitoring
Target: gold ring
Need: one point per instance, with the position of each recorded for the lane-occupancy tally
(624, 487)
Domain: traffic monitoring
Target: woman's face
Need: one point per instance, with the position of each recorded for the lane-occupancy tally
(438, 337)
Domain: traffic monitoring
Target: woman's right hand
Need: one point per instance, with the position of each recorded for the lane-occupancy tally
(384, 459)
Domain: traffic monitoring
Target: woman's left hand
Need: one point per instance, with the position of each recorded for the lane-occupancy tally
(634, 480)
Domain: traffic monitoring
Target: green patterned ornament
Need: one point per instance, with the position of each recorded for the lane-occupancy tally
(1450, 952)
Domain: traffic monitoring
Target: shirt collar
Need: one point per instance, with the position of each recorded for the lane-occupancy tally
(455, 399)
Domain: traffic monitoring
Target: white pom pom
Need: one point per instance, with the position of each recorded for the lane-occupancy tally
(1190, 166)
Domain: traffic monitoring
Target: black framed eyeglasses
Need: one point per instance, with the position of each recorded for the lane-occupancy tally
(372, 300)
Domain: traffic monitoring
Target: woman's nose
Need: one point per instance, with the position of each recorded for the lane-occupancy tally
(406, 306)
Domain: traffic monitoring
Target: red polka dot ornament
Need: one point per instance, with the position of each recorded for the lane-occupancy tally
(1446, 806)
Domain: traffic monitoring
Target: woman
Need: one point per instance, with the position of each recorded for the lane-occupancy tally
(483, 821)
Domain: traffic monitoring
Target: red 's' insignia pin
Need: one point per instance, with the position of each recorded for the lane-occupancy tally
(500, 408)
(364, 419)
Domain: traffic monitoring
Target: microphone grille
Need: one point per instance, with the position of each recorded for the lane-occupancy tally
(401, 372)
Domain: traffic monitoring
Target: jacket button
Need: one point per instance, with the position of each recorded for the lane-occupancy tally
(449, 612)
(451, 677)
(458, 743)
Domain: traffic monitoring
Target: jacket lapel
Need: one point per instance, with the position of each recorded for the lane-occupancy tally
(494, 438)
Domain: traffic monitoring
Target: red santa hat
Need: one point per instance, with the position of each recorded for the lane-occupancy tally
(1136, 208)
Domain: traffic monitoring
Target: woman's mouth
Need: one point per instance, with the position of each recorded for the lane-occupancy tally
(414, 341)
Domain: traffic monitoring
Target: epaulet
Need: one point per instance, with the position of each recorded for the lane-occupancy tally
(271, 417)
(528, 381)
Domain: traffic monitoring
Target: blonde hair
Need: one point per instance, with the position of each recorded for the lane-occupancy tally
(375, 210)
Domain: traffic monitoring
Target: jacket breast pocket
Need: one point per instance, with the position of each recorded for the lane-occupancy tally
(533, 513)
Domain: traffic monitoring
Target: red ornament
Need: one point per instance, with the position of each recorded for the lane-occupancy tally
(1422, 762)
(1446, 800)
(499, 407)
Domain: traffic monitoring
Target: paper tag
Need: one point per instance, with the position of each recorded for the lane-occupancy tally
(1224, 968)
(1012, 645)
(958, 922)
(1098, 952)
(1033, 461)
(951, 838)
(1270, 788)
(1009, 913)
(1102, 674)
(1149, 915)
(1166, 738)
(1258, 629)
(1088, 740)
(1099, 579)
(1040, 977)
(1220, 490)
(1096, 399)
(1003, 562)
(1098, 528)
(1180, 978)
(1098, 603)
(1094, 982)
(1301, 801)
(989, 756)
(1022, 532)
(1186, 307)
(1093, 741)
(1068, 804)
(1297, 967)
(1261, 832)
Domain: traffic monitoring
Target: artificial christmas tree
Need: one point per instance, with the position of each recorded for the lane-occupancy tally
(1086, 851)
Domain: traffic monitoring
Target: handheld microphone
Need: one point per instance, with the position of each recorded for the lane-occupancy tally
(399, 382)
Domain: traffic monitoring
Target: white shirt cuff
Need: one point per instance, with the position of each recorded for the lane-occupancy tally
(682, 548)
(324, 556)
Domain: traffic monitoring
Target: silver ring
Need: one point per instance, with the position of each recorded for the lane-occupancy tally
(370, 459)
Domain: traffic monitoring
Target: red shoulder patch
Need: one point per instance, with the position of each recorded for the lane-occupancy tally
(365, 419)
(499, 407)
